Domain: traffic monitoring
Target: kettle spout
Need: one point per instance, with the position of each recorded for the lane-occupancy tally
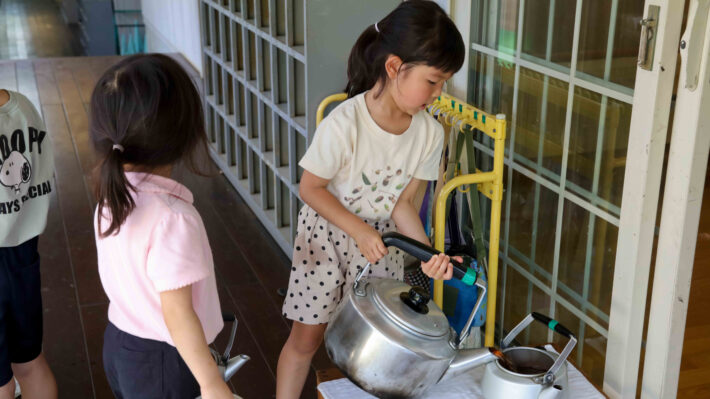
(233, 365)
(551, 392)
(466, 359)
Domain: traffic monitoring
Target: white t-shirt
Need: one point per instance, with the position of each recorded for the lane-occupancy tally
(368, 168)
(26, 171)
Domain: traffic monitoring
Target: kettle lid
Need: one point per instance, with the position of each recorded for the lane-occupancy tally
(409, 307)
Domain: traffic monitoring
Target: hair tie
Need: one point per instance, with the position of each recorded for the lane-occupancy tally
(377, 28)
(117, 147)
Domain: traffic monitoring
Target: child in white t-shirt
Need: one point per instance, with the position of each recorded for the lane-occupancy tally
(26, 184)
(362, 170)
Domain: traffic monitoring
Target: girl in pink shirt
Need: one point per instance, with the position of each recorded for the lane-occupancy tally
(154, 258)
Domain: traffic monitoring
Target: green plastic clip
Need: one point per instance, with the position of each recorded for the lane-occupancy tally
(552, 324)
(470, 277)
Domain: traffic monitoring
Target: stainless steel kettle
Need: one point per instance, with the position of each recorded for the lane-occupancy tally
(536, 374)
(387, 337)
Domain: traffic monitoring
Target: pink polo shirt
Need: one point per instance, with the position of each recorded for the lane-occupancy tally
(161, 246)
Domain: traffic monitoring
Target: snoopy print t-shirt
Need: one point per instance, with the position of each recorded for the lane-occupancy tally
(26, 171)
(368, 168)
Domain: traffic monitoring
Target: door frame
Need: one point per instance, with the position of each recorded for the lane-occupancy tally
(647, 138)
(680, 217)
(642, 180)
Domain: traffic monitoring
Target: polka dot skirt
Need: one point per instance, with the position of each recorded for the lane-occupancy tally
(325, 263)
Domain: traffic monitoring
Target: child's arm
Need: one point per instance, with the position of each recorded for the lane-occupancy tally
(406, 217)
(186, 331)
(314, 192)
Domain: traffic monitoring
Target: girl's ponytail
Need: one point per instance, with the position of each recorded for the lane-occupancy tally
(363, 72)
(149, 105)
(418, 32)
(113, 190)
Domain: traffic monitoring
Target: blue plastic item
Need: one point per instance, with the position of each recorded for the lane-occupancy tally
(459, 300)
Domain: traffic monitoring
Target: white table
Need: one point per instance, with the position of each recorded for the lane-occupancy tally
(464, 386)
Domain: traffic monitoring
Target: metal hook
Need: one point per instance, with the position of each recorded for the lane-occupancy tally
(461, 122)
(434, 110)
(458, 121)
(449, 119)
(452, 118)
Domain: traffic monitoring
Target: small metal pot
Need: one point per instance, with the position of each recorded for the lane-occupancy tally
(387, 337)
(536, 374)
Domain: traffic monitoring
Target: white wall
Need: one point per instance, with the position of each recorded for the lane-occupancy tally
(460, 13)
(173, 26)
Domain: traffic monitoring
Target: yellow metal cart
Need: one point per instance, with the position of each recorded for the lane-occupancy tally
(459, 115)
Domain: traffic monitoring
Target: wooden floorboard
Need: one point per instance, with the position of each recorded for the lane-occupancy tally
(8, 75)
(254, 380)
(64, 338)
(76, 207)
(74, 224)
(246, 231)
(26, 82)
(95, 319)
(694, 380)
(77, 118)
(35, 28)
(46, 83)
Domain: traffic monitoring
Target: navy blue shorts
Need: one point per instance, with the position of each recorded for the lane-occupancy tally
(139, 368)
(20, 306)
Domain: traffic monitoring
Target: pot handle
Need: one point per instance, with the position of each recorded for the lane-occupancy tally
(424, 252)
(482, 290)
(553, 325)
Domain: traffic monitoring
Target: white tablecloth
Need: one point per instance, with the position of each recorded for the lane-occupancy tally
(464, 386)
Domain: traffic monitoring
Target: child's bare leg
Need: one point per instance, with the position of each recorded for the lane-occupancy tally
(36, 379)
(7, 391)
(295, 360)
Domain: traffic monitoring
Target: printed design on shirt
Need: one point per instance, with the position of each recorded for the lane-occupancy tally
(15, 171)
(379, 191)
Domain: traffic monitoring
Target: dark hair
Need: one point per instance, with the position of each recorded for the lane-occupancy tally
(148, 105)
(418, 31)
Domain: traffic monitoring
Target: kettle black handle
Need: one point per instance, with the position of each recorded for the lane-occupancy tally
(424, 253)
(552, 324)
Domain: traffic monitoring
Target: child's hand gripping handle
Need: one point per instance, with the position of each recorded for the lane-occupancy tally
(424, 253)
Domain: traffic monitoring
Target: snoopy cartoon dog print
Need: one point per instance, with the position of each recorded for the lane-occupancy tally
(15, 171)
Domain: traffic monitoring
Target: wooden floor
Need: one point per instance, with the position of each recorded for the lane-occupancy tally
(250, 266)
(35, 29)
(694, 379)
